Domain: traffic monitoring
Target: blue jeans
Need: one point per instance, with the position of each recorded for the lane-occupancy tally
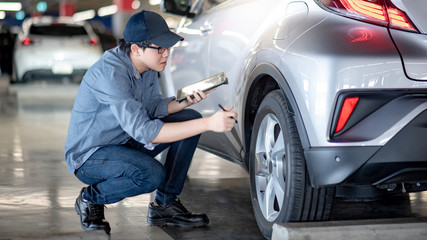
(119, 171)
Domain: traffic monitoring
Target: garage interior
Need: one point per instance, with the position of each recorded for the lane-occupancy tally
(38, 194)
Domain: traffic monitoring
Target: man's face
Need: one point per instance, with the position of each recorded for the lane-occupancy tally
(155, 59)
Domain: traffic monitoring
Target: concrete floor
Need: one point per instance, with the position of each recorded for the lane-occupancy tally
(37, 193)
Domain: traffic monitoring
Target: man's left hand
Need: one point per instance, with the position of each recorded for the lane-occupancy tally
(199, 95)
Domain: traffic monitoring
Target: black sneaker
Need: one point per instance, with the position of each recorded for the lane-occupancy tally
(175, 214)
(91, 215)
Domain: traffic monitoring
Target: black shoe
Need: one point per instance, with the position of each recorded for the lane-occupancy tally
(175, 214)
(91, 215)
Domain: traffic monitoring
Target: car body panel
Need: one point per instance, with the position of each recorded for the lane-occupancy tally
(349, 51)
(413, 47)
(413, 50)
(416, 11)
(315, 56)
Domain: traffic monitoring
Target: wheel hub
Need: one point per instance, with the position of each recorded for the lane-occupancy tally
(269, 173)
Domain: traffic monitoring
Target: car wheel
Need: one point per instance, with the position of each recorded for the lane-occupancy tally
(280, 186)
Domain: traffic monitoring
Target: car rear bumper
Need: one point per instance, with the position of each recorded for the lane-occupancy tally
(32, 61)
(49, 74)
(402, 159)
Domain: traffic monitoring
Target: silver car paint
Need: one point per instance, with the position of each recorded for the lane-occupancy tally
(413, 46)
(318, 53)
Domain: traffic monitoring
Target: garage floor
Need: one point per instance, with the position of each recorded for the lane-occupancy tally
(37, 193)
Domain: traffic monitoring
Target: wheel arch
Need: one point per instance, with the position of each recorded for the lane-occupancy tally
(264, 78)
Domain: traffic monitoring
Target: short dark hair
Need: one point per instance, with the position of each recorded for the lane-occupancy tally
(125, 46)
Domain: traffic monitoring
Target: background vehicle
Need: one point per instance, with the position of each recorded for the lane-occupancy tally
(330, 94)
(52, 47)
(6, 48)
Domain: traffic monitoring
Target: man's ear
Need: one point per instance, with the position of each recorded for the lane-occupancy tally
(135, 49)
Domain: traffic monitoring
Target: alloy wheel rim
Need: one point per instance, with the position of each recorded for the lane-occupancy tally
(270, 156)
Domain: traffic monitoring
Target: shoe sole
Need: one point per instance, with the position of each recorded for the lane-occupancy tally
(171, 221)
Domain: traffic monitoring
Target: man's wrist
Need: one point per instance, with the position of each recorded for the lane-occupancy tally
(186, 103)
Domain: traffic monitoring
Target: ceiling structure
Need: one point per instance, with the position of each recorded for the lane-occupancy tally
(53, 6)
(29, 6)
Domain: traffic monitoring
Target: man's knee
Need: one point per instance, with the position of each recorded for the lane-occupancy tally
(193, 114)
(187, 114)
(148, 182)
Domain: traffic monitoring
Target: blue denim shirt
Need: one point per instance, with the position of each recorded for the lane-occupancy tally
(113, 104)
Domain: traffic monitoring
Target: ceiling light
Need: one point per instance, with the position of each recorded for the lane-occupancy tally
(136, 4)
(84, 15)
(20, 15)
(41, 6)
(10, 6)
(107, 10)
(154, 2)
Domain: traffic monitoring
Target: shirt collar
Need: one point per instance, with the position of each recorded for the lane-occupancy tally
(126, 59)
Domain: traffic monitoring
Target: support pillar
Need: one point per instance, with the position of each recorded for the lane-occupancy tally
(67, 8)
(119, 20)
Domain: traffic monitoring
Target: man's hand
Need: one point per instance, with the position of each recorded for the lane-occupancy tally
(222, 121)
(198, 96)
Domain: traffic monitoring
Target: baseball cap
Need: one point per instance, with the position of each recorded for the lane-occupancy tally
(150, 26)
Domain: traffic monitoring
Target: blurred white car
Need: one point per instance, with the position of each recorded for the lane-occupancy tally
(54, 47)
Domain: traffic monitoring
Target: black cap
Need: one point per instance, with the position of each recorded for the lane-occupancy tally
(151, 27)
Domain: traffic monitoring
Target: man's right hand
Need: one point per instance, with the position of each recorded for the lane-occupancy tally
(223, 121)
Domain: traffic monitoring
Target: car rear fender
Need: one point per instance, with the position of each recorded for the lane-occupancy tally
(264, 78)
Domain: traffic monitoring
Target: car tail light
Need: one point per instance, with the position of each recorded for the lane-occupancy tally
(346, 110)
(26, 41)
(381, 12)
(93, 41)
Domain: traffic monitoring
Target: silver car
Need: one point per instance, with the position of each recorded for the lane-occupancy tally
(330, 93)
(54, 47)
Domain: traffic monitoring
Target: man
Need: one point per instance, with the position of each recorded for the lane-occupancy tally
(120, 122)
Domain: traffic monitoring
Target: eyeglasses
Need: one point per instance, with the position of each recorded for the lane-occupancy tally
(160, 50)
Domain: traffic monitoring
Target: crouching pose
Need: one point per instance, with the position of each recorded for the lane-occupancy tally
(120, 122)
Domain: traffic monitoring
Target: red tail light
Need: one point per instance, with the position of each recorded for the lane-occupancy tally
(398, 19)
(346, 110)
(26, 41)
(381, 12)
(93, 41)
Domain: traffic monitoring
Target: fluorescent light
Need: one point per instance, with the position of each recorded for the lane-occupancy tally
(2, 14)
(10, 6)
(84, 15)
(107, 10)
(154, 2)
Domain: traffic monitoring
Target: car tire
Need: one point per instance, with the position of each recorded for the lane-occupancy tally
(280, 186)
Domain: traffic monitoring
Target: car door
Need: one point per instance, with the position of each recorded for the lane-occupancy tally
(190, 62)
(233, 32)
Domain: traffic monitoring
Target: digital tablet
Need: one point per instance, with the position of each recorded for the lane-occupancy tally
(204, 85)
